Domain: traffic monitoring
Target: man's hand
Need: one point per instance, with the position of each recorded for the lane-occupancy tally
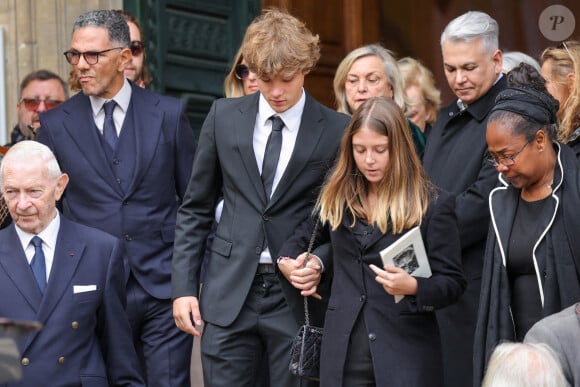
(305, 279)
(395, 281)
(186, 310)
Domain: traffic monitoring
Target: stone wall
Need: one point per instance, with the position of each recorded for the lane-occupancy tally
(36, 33)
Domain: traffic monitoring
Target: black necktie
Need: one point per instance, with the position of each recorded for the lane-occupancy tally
(109, 130)
(38, 263)
(272, 155)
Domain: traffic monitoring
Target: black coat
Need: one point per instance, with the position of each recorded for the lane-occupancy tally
(574, 142)
(556, 253)
(404, 337)
(455, 160)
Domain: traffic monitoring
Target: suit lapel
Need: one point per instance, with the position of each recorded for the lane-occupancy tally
(66, 258)
(86, 137)
(67, 255)
(147, 130)
(311, 129)
(244, 123)
(385, 239)
(504, 201)
(13, 261)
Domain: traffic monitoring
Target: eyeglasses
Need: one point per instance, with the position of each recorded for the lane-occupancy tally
(507, 161)
(32, 104)
(91, 57)
(242, 71)
(136, 47)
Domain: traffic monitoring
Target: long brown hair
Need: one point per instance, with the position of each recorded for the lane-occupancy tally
(404, 192)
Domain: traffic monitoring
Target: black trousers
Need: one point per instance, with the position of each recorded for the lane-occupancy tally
(233, 355)
(358, 368)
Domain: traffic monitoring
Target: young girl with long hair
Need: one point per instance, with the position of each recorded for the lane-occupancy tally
(376, 193)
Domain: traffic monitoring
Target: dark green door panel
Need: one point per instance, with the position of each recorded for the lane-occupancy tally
(190, 45)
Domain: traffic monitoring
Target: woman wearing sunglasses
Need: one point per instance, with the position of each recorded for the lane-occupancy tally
(136, 70)
(240, 80)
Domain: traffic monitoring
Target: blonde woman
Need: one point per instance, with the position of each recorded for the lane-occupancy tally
(561, 70)
(372, 71)
(377, 192)
(423, 97)
(240, 80)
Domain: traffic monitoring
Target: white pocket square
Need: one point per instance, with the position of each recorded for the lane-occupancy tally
(84, 288)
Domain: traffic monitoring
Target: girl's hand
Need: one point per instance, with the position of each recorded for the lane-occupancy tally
(395, 281)
(305, 279)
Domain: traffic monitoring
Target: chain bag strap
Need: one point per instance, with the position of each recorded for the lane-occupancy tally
(305, 353)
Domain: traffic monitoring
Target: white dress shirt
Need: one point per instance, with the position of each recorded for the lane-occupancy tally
(122, 98)
(292, 118)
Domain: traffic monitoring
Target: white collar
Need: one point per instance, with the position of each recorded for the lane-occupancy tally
(48, 235)
(291, 117)
(122, 98)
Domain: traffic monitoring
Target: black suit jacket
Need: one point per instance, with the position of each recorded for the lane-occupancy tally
(225, 161)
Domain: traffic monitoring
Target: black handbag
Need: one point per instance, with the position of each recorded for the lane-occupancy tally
(305, 353)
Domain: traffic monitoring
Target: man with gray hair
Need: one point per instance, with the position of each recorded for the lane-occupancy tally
(66, 276)
(455, 160)
(41, 90)
(128, 152)
(523, 365)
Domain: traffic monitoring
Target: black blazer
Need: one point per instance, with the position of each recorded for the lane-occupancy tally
(404, 336)
(225, 162)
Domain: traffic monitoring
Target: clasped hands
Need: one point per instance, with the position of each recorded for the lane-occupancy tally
(305, 279)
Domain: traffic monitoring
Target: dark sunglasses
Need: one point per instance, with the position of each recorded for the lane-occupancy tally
(33, 103)
(242, 71)
(136, 47)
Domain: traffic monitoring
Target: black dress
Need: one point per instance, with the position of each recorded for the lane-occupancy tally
(526, 303)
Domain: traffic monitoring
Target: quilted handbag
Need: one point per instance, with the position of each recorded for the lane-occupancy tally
(305, 358)
(305, 353)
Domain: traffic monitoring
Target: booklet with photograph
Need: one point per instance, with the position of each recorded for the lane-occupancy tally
(408, 253)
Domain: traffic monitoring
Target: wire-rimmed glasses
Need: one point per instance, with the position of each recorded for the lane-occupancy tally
(507, 161)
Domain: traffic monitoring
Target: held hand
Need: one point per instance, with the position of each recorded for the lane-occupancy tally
(186, 310)
(305, 279)
(395, 281)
